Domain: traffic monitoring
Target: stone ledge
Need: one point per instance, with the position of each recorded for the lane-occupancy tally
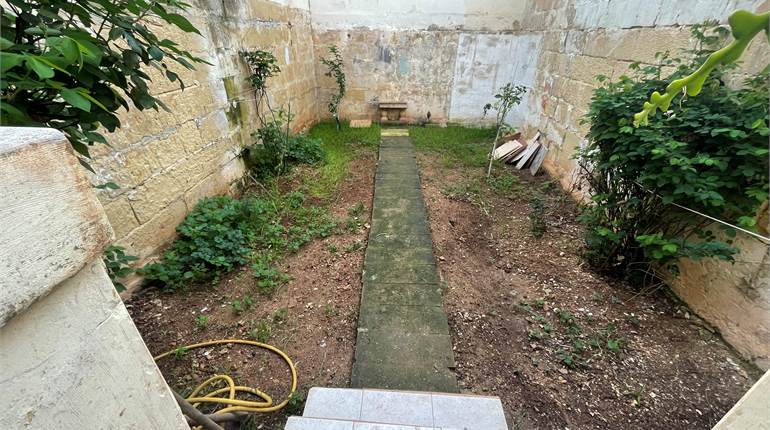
(53, 222)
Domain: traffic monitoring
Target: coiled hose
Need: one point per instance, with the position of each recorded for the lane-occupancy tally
(227, 396)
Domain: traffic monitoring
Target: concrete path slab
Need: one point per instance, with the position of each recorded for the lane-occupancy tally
(403, 337)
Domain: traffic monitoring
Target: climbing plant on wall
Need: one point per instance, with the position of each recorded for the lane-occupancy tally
(71, 65)
(710, 154)
(334, 64)
(506, 98)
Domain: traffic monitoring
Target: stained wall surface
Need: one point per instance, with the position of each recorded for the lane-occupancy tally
(70, 354)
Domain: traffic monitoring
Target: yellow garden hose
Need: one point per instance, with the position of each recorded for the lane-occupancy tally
(227, 395)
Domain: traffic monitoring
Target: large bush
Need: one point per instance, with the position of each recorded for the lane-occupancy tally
(709, 154)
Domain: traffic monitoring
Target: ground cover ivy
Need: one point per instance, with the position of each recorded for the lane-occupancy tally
(222, 233)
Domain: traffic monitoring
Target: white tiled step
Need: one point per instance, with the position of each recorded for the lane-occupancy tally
(304, 423)
(406, 408)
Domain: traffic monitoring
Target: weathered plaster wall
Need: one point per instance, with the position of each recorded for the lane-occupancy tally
(484, 63)
(69, 352)
(407, 66)
(407, 51)
(733, 297)
(489, 15)
(166, 162)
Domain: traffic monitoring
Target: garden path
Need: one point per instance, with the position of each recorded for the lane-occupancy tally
(403, 337)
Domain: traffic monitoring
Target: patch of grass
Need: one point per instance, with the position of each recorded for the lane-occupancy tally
(201, 322)
(280, 315)
(329, 310)
(504, 183)
(357, 210)
(338, 149)
(242, 305)
(295, 404)
(354, 246)
(465, 146)
(355, 220)
(179, 352)
(261, 332)
(332, 248)
(537, 215)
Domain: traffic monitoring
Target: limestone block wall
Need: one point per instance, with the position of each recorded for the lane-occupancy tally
(585, 38)
(581, 39)
(165, 162)
(70, 354)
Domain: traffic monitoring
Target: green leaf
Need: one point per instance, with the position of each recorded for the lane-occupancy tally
(670, 248)
(181, 22)
(16, 116)
(67, 47)
(5, 44)
(76, 99)
(41, 69)
(108, 186)
(155, 53)
(8, 61)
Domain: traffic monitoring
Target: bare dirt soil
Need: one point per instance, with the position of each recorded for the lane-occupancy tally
(562, 346)
(313, 318)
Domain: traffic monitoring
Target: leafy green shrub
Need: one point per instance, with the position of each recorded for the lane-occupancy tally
(222, 233)
(279, 148)
(213, 239)
(118, 265)
(71, 65)
(710, 154)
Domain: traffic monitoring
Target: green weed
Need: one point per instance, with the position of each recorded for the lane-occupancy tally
(201, 322)
(504, 183)
(261, 332)
(329, 310)
(354, 246)
(242, 305)
(280, 316)
(537, 215)
(179, 352)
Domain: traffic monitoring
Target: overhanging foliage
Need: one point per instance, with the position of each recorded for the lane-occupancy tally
(71, 65)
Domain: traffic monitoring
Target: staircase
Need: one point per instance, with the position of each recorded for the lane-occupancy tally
(368, 409)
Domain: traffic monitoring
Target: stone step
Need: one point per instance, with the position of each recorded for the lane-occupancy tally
(303, 423)
(358, 409)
